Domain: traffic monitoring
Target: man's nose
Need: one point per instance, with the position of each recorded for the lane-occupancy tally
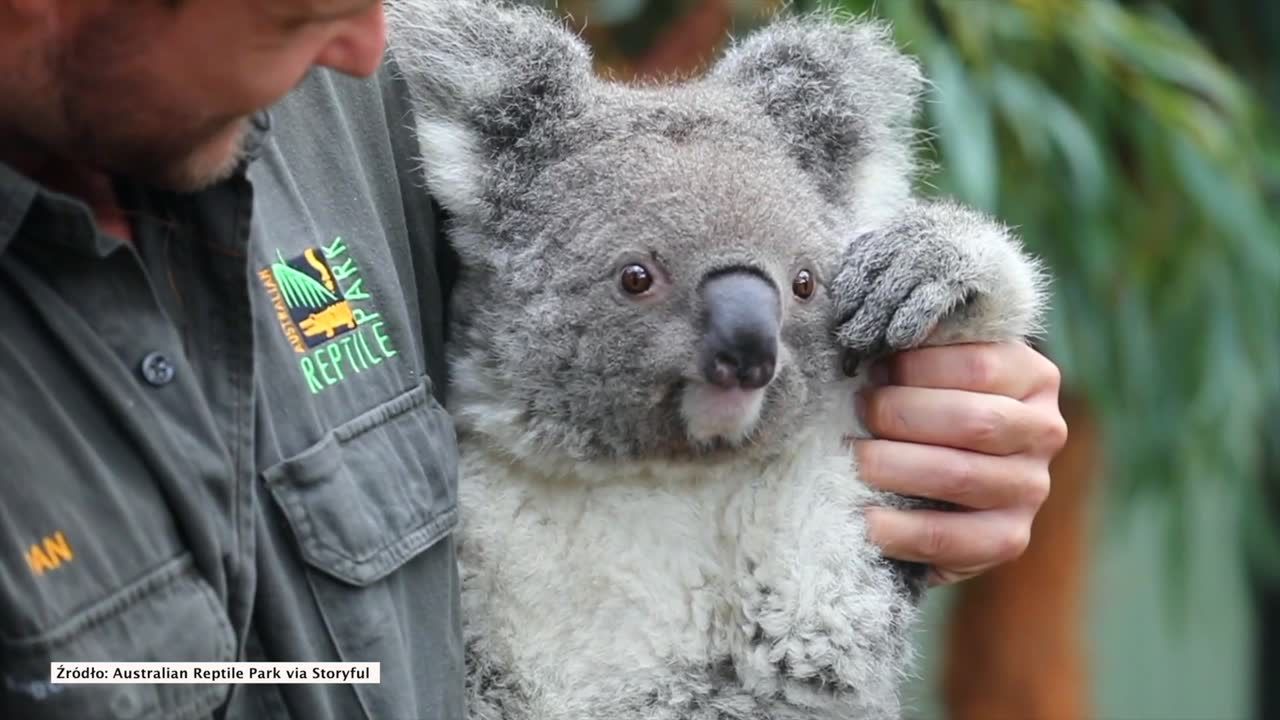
(358, 48)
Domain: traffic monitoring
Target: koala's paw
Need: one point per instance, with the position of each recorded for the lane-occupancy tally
(942, 274)
(838, 642)
(807, 652)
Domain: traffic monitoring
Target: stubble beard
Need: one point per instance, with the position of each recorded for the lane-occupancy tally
(116, 119)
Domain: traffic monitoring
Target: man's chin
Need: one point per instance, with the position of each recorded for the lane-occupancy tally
(214, 159)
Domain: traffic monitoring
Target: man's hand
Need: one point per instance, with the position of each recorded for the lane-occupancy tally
(973, 425)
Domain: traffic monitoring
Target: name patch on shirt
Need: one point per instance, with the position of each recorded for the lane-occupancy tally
(52, 552)
(326, 315)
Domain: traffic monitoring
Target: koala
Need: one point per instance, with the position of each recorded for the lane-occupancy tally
(665, 294)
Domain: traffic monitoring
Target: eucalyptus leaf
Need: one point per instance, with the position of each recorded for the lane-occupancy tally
(964, 128)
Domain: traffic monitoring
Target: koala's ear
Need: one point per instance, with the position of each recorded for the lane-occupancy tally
(840, 92)
(493, 85)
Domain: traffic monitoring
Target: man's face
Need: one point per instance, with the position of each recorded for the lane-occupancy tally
(162, 90)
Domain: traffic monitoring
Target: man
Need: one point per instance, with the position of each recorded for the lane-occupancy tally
(221, 364)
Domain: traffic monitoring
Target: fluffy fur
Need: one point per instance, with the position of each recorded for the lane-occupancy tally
(631, 547)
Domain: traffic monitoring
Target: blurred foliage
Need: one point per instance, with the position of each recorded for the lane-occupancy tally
(1141, 166)
(1246, 34)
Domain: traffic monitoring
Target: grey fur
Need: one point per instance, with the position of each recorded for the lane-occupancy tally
(938, 274)
(795, 152)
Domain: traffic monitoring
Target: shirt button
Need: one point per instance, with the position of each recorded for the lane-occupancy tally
(157, 369)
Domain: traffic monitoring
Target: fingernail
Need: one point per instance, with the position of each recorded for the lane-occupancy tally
(849, 363)
(871, 513)
(860, 407)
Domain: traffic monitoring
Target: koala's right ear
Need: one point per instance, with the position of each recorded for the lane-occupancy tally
(841, 94)
(493, 85)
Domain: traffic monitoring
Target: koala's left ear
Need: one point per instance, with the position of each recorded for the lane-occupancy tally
(839, 91)
(495, 86)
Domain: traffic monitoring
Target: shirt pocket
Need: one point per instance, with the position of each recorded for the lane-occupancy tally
(366, 505)
(170, 615)
(375, 491)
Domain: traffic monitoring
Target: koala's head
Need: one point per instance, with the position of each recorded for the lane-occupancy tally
(644, 268)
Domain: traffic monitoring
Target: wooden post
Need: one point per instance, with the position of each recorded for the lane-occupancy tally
(1015, 638)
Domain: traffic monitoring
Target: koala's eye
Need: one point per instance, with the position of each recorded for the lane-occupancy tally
(636, 279)
(804, 285)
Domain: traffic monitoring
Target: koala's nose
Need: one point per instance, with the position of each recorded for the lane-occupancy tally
(740, 344)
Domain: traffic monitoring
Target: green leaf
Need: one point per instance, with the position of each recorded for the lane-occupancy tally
(964, 128)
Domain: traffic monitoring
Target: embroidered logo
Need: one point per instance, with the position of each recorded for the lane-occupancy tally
(326, 314)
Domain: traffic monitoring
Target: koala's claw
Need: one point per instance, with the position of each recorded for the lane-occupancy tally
(811, 650)
(923, 310)
(798, 666)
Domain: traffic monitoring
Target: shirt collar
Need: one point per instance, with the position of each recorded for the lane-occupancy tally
(64, 221)
(17, 192)
(256, 138)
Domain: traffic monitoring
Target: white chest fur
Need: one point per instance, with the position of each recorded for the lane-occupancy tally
(642, 588)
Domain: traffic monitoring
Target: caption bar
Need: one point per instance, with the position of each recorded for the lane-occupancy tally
(284, 673)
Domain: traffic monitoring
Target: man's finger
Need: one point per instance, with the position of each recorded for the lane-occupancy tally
(1011, 369)
(992, 424)
(968, 479)
(963, 542)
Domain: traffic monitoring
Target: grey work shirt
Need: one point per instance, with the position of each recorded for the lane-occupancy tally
(225, 441)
